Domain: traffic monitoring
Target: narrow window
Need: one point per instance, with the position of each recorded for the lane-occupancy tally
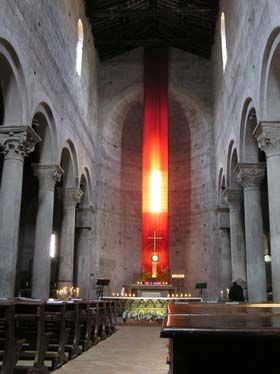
(223, 41)
(79, 47)
(53, 246)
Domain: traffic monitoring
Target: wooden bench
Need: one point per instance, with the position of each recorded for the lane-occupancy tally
(222, 338)
(29, 325)
(10, 346)
(55, 323)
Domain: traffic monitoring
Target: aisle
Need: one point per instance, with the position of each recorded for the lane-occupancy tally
(131, 350)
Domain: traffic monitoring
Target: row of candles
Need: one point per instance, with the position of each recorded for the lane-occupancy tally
(114, 294)
(67, 292)
(144, 282)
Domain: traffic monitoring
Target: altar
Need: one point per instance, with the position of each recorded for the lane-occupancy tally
(152, 290)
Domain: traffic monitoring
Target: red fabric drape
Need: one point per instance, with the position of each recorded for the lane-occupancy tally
(155, 157)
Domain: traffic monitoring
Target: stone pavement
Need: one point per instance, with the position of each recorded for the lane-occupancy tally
(131, 350)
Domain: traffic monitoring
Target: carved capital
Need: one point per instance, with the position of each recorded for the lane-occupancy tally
(250, 175)
(17, 141)
(268, 137)
(48, 175)
(70, 196)
(233, 197)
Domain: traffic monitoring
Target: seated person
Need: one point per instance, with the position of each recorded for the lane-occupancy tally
(236, 292)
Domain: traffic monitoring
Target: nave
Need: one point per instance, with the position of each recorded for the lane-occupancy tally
(132, 349)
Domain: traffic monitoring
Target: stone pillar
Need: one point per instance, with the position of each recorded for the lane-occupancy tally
(84, 246)
(268, 136)
(16, 143)
(238, 251)
(47, 175)
(70, 197)
(224, 260)
(250, 177)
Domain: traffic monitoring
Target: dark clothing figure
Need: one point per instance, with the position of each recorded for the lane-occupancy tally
(236, 292)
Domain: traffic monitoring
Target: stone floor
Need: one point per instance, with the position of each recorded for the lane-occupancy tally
(131, 350)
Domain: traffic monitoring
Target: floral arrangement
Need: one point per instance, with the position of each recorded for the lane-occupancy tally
(148, 310)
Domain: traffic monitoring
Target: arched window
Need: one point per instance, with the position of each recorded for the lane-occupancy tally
(79, 47)
(223, 40)
(53, 246)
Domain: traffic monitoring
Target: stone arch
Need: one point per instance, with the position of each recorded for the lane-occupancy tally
(44, 124)
(221, 184)
(86, 187)
(12, 86)
(232, 161)
(69, 164)
(270, 78)
(249, 151)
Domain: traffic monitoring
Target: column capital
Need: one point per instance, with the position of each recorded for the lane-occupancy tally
(250, 175)
(233, 197)
(70, 196)
(48, 175)
(17, 142)
(268, 136)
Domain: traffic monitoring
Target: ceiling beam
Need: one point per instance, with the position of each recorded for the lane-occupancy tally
(146, 42)
(132, 13)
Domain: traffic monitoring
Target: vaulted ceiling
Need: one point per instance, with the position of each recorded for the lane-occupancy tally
(121, 25)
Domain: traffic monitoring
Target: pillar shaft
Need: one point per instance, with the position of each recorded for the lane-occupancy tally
(224, 260)
(16, 142)
(268, 136)
(70, 197)
(250, 177)
(84, 243)
(47, 175)
(237, 241)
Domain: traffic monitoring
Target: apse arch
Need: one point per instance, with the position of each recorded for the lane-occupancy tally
(69, 164)
(270, 78)
(249, 151)
(12, 86)
(44, 124)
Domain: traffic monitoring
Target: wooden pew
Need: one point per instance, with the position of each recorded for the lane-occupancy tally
(29, 320)
(222, 338)
(55, 323)
(87, 316)
(10, 346)
(72, 317)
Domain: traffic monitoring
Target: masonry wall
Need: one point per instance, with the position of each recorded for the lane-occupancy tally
(248, 27)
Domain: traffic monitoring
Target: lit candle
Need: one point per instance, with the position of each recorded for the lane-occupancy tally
(113, 294)
(227, 292)
(190, 295)
(222, 294)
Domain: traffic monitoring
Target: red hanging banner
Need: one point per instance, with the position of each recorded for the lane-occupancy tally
(155, 164)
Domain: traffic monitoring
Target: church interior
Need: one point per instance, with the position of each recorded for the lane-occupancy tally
(139, 179)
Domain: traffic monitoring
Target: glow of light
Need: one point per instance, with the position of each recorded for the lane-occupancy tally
(53, 246)
(155, 192)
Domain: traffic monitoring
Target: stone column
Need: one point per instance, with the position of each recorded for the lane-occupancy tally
(84, 245)
(238, 251)
(16, 143)
(268, 136)
(70, 197)
(224, 260)
(47, 175)
(250, 177)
